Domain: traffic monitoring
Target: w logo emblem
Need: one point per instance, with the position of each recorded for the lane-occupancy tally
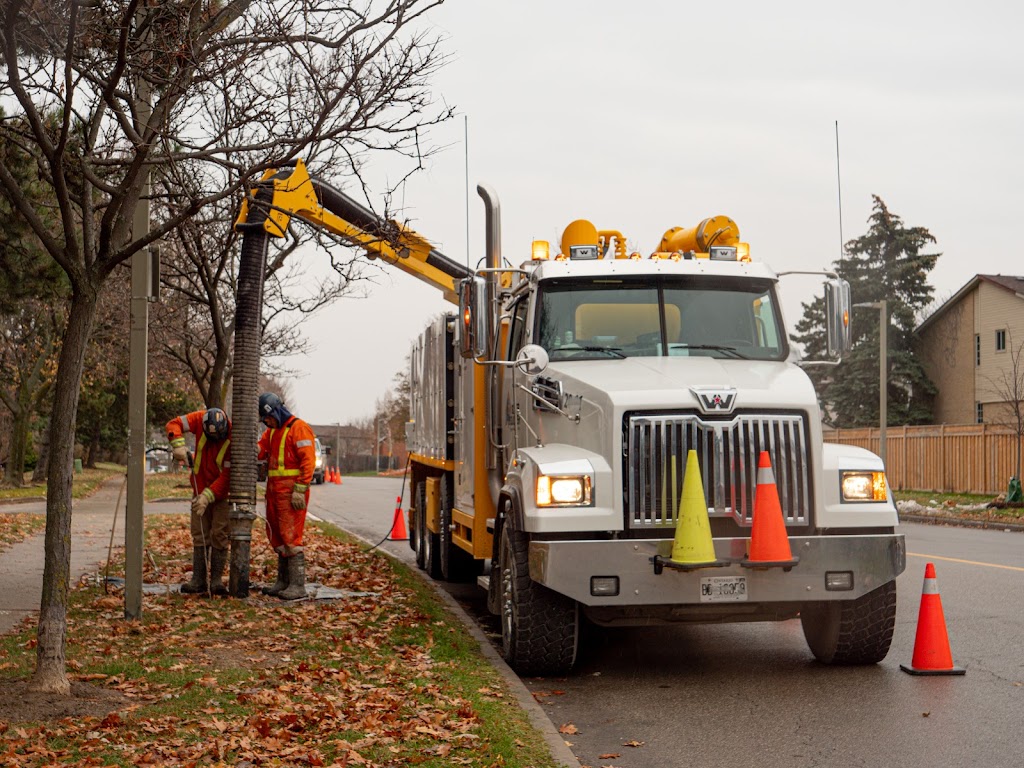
(715, 400)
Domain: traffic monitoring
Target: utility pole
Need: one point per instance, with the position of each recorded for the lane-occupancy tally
(143, 281)
(378, 446)
(337, 446)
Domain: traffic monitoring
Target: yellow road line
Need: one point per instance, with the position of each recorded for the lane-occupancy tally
(965, 562)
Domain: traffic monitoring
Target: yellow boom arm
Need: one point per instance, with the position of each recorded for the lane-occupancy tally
(290, 191)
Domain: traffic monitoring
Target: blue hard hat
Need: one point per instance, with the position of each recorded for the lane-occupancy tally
(215, 424)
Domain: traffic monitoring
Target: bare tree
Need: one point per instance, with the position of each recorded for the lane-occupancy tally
(108, 94)
(1007, 386)
(199, 274)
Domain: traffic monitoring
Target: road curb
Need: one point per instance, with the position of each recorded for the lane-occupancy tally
(961, 522)
(560, 751)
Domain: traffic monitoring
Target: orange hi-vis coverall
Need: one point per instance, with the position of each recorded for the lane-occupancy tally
(291, 457)
(211, 470)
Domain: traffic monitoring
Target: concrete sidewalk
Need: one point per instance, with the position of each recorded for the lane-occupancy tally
(92, 518)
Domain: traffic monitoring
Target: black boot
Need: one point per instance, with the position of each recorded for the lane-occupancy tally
(296, 588)
(198, 583)
(218, 557)
(282, 578)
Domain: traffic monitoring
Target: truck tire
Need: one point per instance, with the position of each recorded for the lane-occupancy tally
(420, 525)
(539, 627)
(851, 631)
(456, 564)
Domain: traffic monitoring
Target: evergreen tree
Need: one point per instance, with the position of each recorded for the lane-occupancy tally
(885, 263)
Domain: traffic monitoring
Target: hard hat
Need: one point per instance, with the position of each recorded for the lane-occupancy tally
(215, 424)
(269, 403)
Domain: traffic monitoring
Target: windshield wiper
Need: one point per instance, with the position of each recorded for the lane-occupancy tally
(613, 351)
(713, 347)
(571, 351)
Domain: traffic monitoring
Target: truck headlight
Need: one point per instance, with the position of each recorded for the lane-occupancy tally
(563, 491)
(863, 486)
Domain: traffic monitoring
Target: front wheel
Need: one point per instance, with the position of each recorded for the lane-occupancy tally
(851, 632)
(539, 627)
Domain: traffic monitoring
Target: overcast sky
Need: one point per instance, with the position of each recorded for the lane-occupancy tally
(643, 116)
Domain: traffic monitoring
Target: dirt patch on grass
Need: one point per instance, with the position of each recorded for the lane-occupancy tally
(230, 658)
(20, 705)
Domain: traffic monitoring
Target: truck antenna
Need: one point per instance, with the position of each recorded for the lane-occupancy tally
(839, 183)
(465, 123)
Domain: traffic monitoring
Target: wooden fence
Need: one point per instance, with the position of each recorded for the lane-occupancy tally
(950, 458)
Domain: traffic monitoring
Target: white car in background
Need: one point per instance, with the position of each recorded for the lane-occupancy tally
(318, 470)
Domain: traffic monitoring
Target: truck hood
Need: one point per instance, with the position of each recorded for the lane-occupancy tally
(646, 383)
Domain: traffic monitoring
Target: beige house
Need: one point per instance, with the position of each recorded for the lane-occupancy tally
(971, 350)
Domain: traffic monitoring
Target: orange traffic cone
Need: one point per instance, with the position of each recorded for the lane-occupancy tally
(337, 476)
(330, 475)
(931, 645)
(398, 532)
(769, 544)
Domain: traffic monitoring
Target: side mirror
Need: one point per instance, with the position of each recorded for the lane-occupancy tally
(837, 317)
(532, 359)
(472, 317)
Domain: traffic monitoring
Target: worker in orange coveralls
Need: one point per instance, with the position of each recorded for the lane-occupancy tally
(288, 448)
(211, 477)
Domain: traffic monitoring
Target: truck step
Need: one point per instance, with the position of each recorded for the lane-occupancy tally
(484, 581)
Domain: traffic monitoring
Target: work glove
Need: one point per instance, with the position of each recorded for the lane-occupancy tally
(299, 496)
(178, 449)
(202, 501)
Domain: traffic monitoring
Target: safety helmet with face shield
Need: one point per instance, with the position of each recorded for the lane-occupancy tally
(215, 424)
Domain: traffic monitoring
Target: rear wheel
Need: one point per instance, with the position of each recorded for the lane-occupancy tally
(420, 526)
(539, 627)
(456, 564)
(851, 631)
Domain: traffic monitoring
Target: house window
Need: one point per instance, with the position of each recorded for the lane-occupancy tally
(979, 413)
(977, 350)
(1001, 340)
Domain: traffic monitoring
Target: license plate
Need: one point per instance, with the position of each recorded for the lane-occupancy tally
(723, 589)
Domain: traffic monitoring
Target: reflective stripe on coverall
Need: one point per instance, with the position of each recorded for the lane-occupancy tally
(211, 468)
(291, 458)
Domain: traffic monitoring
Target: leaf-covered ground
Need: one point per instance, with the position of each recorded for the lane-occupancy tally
(383, 677)
(17, 526)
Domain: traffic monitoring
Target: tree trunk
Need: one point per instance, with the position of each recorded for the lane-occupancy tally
(94, 448)
(15, 476)
(51, 674)
(39, 473)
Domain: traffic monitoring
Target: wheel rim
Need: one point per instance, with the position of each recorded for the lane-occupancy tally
(428, 547)
(507, 594)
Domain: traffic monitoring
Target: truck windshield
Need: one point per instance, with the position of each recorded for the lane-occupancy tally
(608, 319)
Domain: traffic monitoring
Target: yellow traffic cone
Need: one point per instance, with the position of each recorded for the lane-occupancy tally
(692, 546)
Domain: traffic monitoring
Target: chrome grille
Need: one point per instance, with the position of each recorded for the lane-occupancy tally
(727, 451)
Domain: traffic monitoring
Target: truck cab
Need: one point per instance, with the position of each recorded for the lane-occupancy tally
(612, 372)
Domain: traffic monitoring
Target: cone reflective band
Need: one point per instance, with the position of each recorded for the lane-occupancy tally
(769, 543)
(931, 644)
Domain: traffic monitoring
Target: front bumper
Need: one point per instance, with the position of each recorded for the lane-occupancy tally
(568, 567)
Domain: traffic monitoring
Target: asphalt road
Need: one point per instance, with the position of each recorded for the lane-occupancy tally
(752, 695)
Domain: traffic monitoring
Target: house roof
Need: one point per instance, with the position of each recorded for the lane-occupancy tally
(1007, 282)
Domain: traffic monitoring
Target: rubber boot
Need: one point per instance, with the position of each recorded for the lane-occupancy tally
(282, 578)
(296, 578)
(198, 583)
(218, 557)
